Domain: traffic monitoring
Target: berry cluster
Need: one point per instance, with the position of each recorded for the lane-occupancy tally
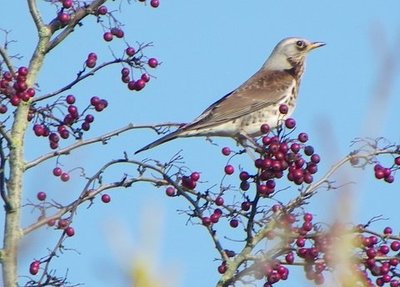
(56, 127)
(279, 154)
(386, 173)
(380, 258)
(14, 89)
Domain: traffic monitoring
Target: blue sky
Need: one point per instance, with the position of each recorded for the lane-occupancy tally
(208, 48)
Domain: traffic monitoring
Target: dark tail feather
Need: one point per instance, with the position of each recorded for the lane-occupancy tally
(162, 140)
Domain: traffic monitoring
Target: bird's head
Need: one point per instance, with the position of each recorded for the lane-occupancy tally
(290, 52)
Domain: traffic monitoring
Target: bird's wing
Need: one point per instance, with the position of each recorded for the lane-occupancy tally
(261, 90)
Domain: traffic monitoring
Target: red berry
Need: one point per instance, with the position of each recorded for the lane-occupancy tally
(289, 258)
(264, 128)
(70, 231)
(229, 169)
(62, 224)
(41, 196)
(30, 92)
(222, 268)
(188, 182)
(67, 4)
(102, 10)
(139, 85)
(244, 175)
(70, 99)
(283, 109)
(245, 205)
(107, 36)
(170, 191)
(89, 118)
(145, 77)
(63, 17)
(57, 171)
(65, 176)
(152, 62)
(395, 245)
(226, 151)
(219, 201)
(15, 100)
(125, 72)
(397, 160)
(290, 123)
(3, 109)
(206, 221)
(105, 198)
(34, 267)
(307, 217)
(155, 3)
(85, 126)
(195, 176)
(90, 63)
(302, 137)
(234, 223)
(388, 230)
(117, 32)
(51, 222)
(22, 71)
(130, 51)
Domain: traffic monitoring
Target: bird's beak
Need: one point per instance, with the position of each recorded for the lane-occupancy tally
(315, 45)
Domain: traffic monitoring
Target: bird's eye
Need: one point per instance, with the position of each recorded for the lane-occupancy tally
(300, 44)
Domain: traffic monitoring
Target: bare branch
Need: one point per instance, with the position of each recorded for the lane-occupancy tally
(79, 78)
(80, 14)
(103, 138)
(35, 15)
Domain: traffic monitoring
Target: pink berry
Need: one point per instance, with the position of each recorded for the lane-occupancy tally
(67, 4)
(395, 245)
(102, 10)
(234, 223)
(195, 176)
(283, 109)
(170, 191)
(245, 205)
(145, 77)
(107, 36)
(219, 201)
(65, 176)
(57, 171)
(290, 123)
(41, 196)
(388, 230)
(63, 17)
(155, 3)
(229, 169)
(152, 62)
(105, 198)
(265, 128)
(206, 221)
(90, 63)
(130, 51)
(22, 71)
(34, 267)
(226, 151)
(70, 231)
(222, 268)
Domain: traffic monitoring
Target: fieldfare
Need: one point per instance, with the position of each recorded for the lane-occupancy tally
(241, 113)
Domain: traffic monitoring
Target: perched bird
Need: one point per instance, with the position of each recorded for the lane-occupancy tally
(241, 112)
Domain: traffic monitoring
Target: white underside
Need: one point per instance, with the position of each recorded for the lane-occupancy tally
(247, 125)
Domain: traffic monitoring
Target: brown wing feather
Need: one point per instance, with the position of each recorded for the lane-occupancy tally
(261, 90)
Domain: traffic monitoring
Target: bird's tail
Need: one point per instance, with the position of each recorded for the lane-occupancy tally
(162, 140)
